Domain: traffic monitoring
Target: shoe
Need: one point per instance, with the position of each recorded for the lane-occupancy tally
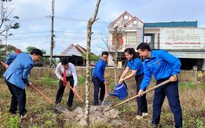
(12, 113)
(138, 117)
(145, 114)
(23, 116)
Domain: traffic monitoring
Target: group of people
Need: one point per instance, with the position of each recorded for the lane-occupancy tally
(18, 66)
(159, 63)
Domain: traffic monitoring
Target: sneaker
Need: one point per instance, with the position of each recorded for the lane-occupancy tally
(138, 117)
(145, 114)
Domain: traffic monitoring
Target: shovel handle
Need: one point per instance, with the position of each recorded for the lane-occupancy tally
(48, 99)
(4, 64)
(76, 93)
(157, 86)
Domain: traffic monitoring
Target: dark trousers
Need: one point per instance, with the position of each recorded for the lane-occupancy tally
(61, 89)
(97, 85)
(18, 98)
(171, 91)
(141, 101)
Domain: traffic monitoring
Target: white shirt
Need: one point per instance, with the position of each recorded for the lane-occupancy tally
(70, 71)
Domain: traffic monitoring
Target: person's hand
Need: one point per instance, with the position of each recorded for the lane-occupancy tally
(121, 80)
(74, 90)
(140, 93)
(30, 84)
(105, 83)
(173, 78)
(4, 64)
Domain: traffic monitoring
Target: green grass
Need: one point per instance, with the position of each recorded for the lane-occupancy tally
(81, 80)
(190, 85)
(46, 80)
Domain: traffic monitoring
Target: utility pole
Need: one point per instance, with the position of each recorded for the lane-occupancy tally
(52, 33)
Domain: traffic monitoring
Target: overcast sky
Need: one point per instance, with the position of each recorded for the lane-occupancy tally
(71, 19)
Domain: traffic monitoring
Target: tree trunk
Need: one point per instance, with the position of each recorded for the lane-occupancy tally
(115, 66)
(87, 83)
(116, 37)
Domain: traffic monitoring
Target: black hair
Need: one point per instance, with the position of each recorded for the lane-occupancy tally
(131, 51)
(143, 46)
(64, 61)
(104, 53)
(36, 51)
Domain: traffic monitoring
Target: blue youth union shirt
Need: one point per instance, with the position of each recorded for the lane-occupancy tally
(136, 64)
(161, 64)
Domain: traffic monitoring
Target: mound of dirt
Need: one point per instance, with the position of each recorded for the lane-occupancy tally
(97, 115)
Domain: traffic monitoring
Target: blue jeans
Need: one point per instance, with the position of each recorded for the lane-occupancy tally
(171, 91)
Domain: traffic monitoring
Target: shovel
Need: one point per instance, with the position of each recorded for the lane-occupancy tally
(75, 92)
(58, 107)
(157, 86)
(105, 102)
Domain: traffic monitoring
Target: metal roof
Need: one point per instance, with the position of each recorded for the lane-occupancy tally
(172, 24)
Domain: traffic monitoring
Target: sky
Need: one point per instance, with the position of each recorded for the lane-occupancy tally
(71, 16)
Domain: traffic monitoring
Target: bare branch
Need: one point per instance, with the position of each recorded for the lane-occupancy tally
(96, 12)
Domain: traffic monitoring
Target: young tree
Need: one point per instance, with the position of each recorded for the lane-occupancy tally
(87, 83)
(7, 22)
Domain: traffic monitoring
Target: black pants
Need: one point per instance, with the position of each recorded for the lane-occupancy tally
(18, 98)
(141, 101)
(171, 91)
(61, 89)
(97, 85)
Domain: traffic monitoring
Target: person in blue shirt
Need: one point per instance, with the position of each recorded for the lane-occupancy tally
(98, 77)
(135, 65)
(16, 76)
(163, 66)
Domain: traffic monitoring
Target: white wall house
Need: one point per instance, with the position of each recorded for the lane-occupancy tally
(183, 39)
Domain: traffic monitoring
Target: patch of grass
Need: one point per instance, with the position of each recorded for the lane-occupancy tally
(9, 121)
(46, 80)
(81, 80)
(189, 85)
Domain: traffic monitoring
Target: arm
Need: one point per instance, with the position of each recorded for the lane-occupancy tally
(26, 71)
(74, 75)
(145, 82)
(131, 75)
(146, 79)
(98, 70)
(123, 77)
(124, 72)
(173, 61)
(10, 59)
(58, 72)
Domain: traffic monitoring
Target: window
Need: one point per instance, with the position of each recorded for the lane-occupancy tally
(131, 38)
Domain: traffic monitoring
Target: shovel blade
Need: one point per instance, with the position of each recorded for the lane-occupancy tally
(106, 102)
(60, 108)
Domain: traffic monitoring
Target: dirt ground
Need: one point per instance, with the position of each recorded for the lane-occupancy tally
(41, 114)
